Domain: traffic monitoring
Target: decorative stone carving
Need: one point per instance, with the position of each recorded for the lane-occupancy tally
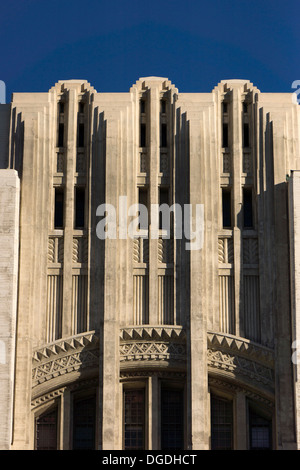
(141, 250)
(165, 249)
(152, 344)
(242, 358)
(80, 250)
(226, 163)
(64, 356)
(225, 250)
(55, 250)
(250, 250)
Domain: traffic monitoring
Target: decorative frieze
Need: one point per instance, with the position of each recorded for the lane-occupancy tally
(250, 251)
(165, 248)
(55, 250)
(225, 250)
(65, 356)
(80, 250)
(141, 250)
(152, 344)
(242, 359)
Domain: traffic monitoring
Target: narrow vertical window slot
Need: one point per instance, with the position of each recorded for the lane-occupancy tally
(248, 208)
(60, 139)
(225, 135)
(59, 208)
(80, 141)
(163, 199)
(246, 135)
(79, 207)
(226, 208)
(143, 135)
(143, 201)
(142, 106)
(163, 136)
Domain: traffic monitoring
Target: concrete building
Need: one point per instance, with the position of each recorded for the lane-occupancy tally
(157, 336)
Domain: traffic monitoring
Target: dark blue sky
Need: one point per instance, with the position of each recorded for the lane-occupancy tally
(112, 43)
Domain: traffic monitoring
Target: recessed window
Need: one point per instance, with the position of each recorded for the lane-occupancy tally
(84, 424)
(143, 201)
(246, 134)
(225, 135)
(226, 207)
(247, 208)
(260, 431)
(46, 431)
(143, 135)
(172, 419)
(80, 140)
(163, 106)
(59, 208)
(225, 107)
(79, 207)
(134, 419)
(221, 424)
(60, 137)
(81, 107)
(61, 107)
(163, 199)
(163, 135)
(245, 108)
(142, 106)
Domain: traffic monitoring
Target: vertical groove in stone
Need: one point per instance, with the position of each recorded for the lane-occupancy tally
(54, 307)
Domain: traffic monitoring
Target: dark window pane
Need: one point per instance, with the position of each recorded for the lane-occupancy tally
(134, 419)
(81, 108)
(163, 106)
(61, 107)
(84, 424)
(225, 135)
(225, 107)
(59, 208)
(171, 419)
(79, 207)
(226, 207)
(260, 432)
(60, 140)
(80, 135)
(248, 208)
(143, 201)
(221, 424)
(245, 108)
(142, 106)
(164, 135)
(163, 199)
(246, 135)
(46, 431)
(143, 135)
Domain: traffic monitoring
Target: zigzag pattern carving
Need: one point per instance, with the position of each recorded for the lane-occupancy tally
(64, 356)
(153, 333)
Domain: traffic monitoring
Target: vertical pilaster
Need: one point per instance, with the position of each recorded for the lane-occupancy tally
(69, 210)
(237, 201)
(240, 422)
(9, 251)
(153, 199)
(65, 419)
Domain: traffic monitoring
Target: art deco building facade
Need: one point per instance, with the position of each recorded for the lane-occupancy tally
(137, 342)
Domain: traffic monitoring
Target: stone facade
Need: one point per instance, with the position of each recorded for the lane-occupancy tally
(143, 341)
